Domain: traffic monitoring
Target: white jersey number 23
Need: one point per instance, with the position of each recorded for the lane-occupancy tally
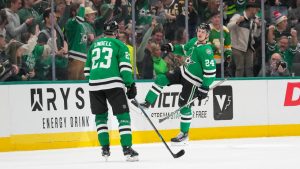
(106, 53)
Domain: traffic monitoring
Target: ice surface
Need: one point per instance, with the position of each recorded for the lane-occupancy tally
(251, 153)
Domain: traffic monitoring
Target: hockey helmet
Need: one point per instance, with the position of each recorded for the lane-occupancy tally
(204, 26)
(111, 27)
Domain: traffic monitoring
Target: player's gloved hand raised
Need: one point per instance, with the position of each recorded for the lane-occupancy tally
(168, 47)
(131, 91)
(202, 93)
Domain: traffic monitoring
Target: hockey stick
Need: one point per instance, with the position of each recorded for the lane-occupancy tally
(188, 103)
(177, 155)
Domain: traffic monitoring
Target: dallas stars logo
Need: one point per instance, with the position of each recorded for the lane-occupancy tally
(188, 61)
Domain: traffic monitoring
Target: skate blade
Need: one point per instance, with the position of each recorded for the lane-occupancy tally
(183, 143)
(105, 158)
(132, 159)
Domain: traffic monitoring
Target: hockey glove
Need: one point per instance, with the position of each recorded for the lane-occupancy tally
(202, 92)
(168, 47)
(131, 91)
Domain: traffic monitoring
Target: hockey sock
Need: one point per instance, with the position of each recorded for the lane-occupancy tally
(186, 118)
(125, 129)
(160, 81)
(102, 129)
(153, 93)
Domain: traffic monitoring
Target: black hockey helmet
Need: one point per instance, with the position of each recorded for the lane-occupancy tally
(111, 27)
(204, 26)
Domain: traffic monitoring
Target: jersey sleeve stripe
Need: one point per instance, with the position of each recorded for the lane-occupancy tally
(125, 69)
(124, 64)
(209, 71)
(79, 19)
(209, 76)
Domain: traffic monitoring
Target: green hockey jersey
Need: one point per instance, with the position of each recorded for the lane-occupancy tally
(108, 65)
(76, 33)
(200, 66)
(214, 39)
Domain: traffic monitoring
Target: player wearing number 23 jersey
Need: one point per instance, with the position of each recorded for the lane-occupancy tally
(109, 71)
(108, 64)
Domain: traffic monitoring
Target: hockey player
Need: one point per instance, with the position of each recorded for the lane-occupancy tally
(108, 69)
(195, 76)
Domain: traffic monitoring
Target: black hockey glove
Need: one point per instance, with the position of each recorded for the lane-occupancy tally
(202, 92)
(131, 91)
(168, 47)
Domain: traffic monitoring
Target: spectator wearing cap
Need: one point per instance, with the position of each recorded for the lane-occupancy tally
(14, 27)
(277, 5)
(279, 29)
(243, 28)
(28, 12)
(89, 19)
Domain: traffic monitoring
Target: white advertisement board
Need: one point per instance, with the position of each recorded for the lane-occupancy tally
(284, 101)
(4, 112)
(50, 108)
(58, 108)
(234, 103)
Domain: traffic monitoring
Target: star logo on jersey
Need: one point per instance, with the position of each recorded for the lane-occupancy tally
(208, 51)
(84, 39)
(188, 61)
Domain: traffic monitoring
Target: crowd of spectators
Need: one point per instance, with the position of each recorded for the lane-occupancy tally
(34, 41)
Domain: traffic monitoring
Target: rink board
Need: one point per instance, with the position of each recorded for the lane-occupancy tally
(44, 116)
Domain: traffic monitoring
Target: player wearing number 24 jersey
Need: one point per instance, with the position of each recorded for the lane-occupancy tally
(109, 71)
(195, 76)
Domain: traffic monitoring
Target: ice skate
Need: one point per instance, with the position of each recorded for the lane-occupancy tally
(180, 139)
(105, 152)
(144, 105)
(130, 154)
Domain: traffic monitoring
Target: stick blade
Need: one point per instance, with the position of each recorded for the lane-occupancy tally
(179, 154)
